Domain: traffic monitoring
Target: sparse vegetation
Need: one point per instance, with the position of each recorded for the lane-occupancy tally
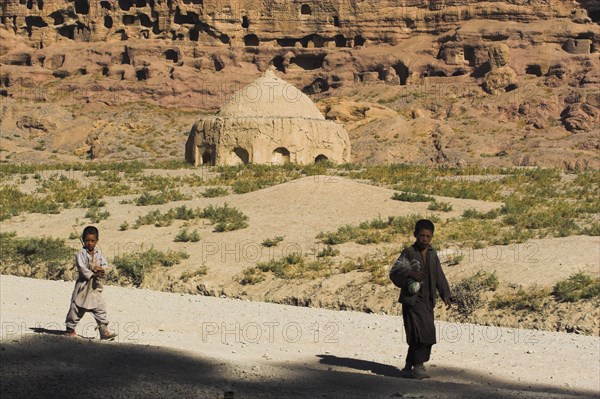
(467, 293)
(213, 192)
(225, 218)
(186, 236)
(412, 197)
(292, 266)
(96, 215)
(530, 299)
(191, 274)
(44, 257)
(135, 266)
(328, 251)
(577, 287)
(161, 198)
(374, 231)
(272, 242)
(439, 206)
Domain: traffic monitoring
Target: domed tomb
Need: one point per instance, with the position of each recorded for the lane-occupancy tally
(267, 122)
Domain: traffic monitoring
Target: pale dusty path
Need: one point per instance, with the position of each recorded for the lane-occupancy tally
(173, 345)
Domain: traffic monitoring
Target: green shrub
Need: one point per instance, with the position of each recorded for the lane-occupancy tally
(95, 215)
(475, 214)
(467, 293)
(185, 236)
(530, 299)
(328, 251)
(252, 276)
(188, 275)
(13, 202)
(135, 266)
(455, 259)
(44, 257)
(577, 287)
(156, 217)
(439, 206)
(376, 266)
(412, 197)
(272, 242)
(292, 266)
(124, 226)
(160, 219)
(225, 218)
(161, 198)
(213, 192)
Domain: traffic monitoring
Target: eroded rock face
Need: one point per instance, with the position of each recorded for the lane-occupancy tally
(194, 54)
(500, 80)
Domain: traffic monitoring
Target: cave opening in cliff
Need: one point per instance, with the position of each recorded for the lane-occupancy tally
(251, 40)
(336, 21)
(125, 5)
(308, 61)
(280, 156)
(194, 35)
(207, 158)
(58, 18)
(277, 62)
(340, 41)
(402, 71)
(594, 15)
(534, 69)
(469, 55)
(172, 55)
(82, 7)
(108, 22)
(313, 41)
(287, 42)
(36, 22)
(305, 9)
(241, 154)
(106, 5)
(188, 18)
(359, 41)
(245, 22)
(30, 4)
(67, 31)
(218, 64)
(145, 21)
(125, 59)
(319, 85)
(128, 19)
(105, 71)
(140, 3)
(320, 158)
(141, 74)
(224, 38)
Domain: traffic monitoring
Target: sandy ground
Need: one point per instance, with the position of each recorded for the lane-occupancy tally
(174, 345)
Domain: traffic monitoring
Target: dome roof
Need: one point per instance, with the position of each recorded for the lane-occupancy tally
(270, 97)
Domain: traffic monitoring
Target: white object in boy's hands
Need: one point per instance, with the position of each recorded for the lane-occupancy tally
(413, 286)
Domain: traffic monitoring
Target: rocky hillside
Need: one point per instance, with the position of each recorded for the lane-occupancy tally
(494, 83)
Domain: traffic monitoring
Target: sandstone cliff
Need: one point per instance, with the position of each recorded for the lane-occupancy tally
(468, 79)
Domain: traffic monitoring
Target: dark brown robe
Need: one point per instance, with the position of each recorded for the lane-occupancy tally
(418, 316)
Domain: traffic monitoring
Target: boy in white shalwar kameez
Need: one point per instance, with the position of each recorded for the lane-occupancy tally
(87, 295)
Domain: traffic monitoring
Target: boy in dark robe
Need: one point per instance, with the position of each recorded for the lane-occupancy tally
(420, 263)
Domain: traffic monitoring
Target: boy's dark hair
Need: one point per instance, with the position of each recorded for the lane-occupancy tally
(90, 230)
(424, 224)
